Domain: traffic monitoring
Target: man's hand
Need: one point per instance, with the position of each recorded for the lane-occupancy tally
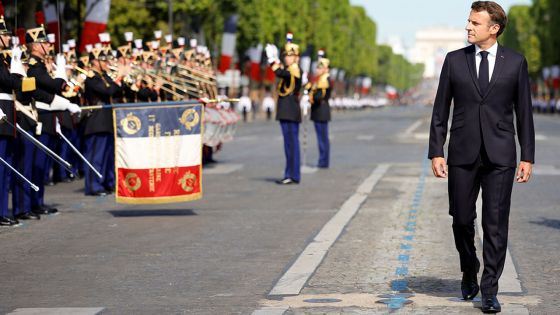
(439, 168)
(524, 172)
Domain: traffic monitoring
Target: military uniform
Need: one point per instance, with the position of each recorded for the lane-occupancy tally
(319, 95)
(98, 130)
(288, 112)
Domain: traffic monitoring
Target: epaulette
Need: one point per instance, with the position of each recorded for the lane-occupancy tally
(323, 82)
(294, 70)
(32, 61)
(90, 74)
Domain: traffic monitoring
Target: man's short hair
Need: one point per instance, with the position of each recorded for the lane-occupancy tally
(496, 12)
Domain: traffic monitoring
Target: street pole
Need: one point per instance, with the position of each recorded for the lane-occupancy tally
(170, 15)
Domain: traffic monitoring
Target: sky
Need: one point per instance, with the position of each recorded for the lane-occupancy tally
(403, 18)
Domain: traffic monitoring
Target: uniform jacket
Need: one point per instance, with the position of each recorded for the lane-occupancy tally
(99, 89)
(483, 119)
(8, 83)
(319, 98)
(288, 89)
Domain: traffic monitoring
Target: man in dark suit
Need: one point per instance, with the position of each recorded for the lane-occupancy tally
(487, 84)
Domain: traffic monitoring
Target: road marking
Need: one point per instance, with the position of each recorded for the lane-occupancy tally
(274, 310)
(308, 169)
(509, 281)
(539, 137)
(221, 168)
(365, 137)
(413, 127)
(58, 311)
(301, 270)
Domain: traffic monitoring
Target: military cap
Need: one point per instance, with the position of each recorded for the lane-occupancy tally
(3, 27)
(291, 49)
(36, 35)
(97, 53)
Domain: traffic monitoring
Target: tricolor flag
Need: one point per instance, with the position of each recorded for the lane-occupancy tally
(51, 16)
(97, 15)
(228, 43)
(255, 54)
(158, 154)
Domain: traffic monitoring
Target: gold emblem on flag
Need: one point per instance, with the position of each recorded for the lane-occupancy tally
(131, 124)
(132, 181)
(190, 118)
(188, 181)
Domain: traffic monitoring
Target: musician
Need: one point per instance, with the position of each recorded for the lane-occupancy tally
(288, 110)
(319, 94)
(98, 126)
(9, 82)
(48, 99)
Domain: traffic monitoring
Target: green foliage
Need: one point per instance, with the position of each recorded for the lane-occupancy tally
(521, 35)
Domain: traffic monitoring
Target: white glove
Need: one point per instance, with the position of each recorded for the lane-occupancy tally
(15, 65)
(60, 103)
(2, 115)
(304, 79)
(57, 127)
(305, 104)
(271, 53)
(60, 71)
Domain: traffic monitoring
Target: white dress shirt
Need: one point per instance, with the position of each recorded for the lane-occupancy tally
(492, 52)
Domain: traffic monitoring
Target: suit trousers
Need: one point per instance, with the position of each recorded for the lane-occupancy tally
(6, 153)
(322, 131)
(496, 183)
(290, 131)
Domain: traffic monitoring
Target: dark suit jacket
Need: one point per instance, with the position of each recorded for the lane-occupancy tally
(483, 119)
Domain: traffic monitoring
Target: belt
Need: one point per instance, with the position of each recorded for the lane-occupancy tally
(6, 97)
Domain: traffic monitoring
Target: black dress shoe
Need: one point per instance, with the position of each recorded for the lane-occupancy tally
(44, 210)
(5, 221)
(490, 304)
(99, 193)
(28, 216)
(51, 210)
(286, 181)
(469, 285)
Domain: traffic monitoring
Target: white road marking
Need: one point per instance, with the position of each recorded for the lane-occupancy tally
(274, 310)
(299, 273)
(509, 281)
(365, 137)
(221, 168)
(308, 169)
(413, 127)
(58, 311)
(540, 137)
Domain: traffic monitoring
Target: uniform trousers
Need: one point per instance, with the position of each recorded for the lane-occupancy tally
(21, 191)
(290, 132)
(66, 152)
(322, 131)
(100, 152)
(496, 183)
(6, 153)
(41, 168)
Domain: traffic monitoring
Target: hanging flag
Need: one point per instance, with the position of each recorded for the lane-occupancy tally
(255, 54)
(51, 18)
(228, 43)
(158, 154)
(97, 15)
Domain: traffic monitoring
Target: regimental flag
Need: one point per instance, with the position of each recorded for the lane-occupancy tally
(158, 154)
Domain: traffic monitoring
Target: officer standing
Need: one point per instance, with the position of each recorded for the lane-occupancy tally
(98, 126)
(47, 99)
(319, 95)
(288, 110)
(8, 83)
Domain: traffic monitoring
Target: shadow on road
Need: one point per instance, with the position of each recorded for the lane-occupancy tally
(151, 213)
(551, 223)
(435, 286)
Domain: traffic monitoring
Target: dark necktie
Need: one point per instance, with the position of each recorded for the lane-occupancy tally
(483, 73)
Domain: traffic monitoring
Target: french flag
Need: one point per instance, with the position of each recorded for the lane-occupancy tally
(97, 15)
(51, 17)
(228, 43)
(255, 54)
(158, 154)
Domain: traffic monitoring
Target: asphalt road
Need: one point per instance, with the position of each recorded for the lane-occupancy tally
(224, 254)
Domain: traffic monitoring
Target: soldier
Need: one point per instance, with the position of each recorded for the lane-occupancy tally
(8, 83)
(98, 126)
(47, 99)
(288, 110)
(319, 94)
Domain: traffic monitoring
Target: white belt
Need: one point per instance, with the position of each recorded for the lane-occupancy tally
(43, 106)
(6, 97)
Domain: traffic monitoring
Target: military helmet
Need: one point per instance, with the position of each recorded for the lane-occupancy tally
(3, 27)
(291, 49)
(36, 35)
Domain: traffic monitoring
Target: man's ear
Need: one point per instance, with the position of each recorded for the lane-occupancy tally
(494, 29)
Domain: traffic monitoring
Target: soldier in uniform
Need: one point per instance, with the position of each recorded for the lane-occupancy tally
(98, 126)
(319, 94)
(288, 110)
(8, 83)
(47, 99)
